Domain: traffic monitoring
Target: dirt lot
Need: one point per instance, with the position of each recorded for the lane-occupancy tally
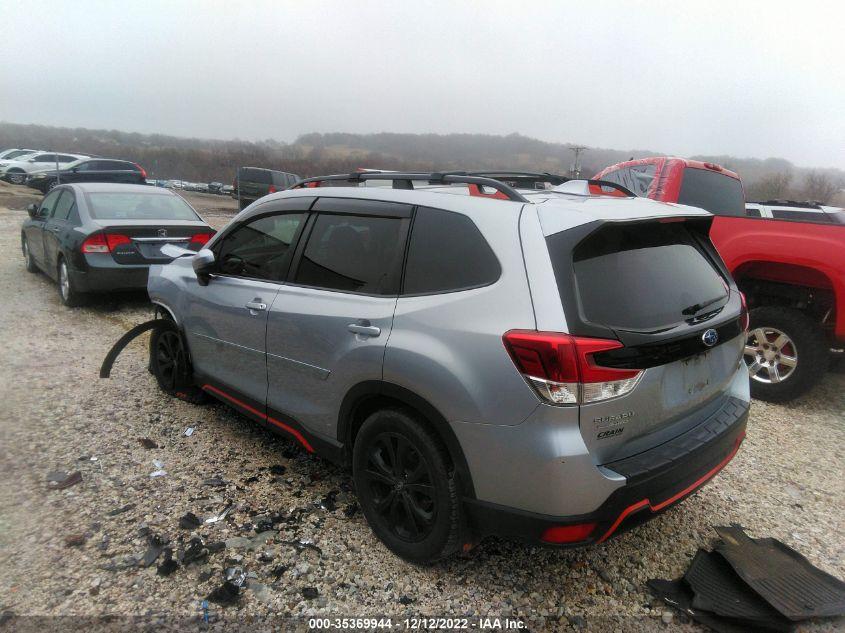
(76, 551)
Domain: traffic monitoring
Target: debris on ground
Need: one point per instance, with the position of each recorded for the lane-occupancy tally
(215, 482)
(277, 469)
(189, 431)
(350, 510)
(225, 595)
(250, 543)
(159, 472)
(302, 544)
(121, 510)
(278, 571)
(195, 551)
(189, 521)
(147, 442)
(309, 593)
(216, 518)
(59, 479)
(75, 540)
(168, 565)
(751, 584)
(328, 503)
(155, 547)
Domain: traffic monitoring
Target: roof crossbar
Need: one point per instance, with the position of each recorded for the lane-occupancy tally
(406, 181)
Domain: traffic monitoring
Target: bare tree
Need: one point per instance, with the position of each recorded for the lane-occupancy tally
(771, 187)
(820, 187)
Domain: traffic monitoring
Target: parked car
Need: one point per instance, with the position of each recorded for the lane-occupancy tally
(89, 170)
(12, 154)
(227, 190)
(17, 171)
(788, 259)
(174, 184)
(101, 237)
(551, 366)
(215, 187)
(252, 183)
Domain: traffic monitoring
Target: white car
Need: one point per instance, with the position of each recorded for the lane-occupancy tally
(14, 154)
(16, 171)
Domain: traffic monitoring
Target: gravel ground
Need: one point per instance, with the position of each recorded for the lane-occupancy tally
(75, 551)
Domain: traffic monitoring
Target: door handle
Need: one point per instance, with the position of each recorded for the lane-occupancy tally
(255, 305)
(364, 328)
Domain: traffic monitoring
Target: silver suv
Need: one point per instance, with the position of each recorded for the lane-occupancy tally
(555, 365)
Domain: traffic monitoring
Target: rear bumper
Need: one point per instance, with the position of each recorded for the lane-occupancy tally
(655, 480)
(97, 279)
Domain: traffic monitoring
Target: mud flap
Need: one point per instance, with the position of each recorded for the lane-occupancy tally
(123, 341)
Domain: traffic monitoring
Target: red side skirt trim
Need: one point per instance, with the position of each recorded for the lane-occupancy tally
(243, 405)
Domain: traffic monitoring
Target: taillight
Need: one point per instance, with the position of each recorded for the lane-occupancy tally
(272, 189)
(562, 368)
(100, 243)
(745, 320)
(143, 171)
(201, 238)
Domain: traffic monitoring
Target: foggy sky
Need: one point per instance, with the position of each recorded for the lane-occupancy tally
(747, 79)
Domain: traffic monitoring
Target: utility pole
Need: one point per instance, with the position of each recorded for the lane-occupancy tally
(575, 172)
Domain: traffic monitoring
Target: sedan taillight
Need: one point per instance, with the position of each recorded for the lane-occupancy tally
(201, 238)
(562, 370)
(102, 243)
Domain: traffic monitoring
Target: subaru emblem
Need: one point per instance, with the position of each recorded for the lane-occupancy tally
(162, 232)
(710, 337)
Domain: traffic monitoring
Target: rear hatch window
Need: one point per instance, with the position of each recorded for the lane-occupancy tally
(643, 277)
(714, 192)
(252, 175)
(138, 206)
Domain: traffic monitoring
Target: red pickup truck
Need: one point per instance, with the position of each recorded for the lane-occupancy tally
(788, 258)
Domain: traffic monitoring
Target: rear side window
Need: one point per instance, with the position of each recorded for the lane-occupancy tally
(447, 253)
(259, 249)
(753, 212)
(354, 254)
(62, 208)
(636, 178)
(641, 277)
(260, 176)
(714, 192)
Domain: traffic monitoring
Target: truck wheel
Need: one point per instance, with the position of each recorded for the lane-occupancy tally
(407, 490)
(786, 353)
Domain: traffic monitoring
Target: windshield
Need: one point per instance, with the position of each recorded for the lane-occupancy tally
(643, 277)
(139, 206)
(714, 192)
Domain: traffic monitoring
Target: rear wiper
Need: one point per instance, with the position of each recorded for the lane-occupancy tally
(697, 307)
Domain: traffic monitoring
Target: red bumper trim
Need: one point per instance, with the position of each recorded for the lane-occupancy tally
(639, 505)
(243, 405)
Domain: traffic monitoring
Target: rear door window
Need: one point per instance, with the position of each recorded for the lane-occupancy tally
(250, 174)
(641, 277)
(62, 209)
(714, 192)
(260, 249)
(354, 254)
(447, 253)
(48, 204)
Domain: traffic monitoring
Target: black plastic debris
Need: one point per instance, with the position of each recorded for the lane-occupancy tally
(213, 548)
(225, 595)
(59, 480)
(168, 565)
(309, 593)
(147, 443)
(784, 578)
(406, 600)
(748, 584)
(156, 547)
(195, 551)
(718, 590)
(277, 469)
(351, 510)
(121, 509)
(189, 521)
(328, 502)
(251, 480)
(278, 571)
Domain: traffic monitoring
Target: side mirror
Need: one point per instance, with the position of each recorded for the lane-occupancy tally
(203, 264)
(32, 209)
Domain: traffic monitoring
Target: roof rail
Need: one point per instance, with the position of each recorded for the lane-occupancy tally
(807, 204)
(552, 179)
(406, 181)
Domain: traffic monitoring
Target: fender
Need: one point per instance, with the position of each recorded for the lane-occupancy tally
(361, 392)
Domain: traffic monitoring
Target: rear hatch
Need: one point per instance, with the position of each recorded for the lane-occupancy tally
(660, 289)
(254, 183)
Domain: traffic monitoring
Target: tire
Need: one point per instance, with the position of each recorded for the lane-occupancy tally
(407, 489)
(16, 177)
(53, 184)
(171, 366)
(786, 352)
(31, 266)
(68, 294)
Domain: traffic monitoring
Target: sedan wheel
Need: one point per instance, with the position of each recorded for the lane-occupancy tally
(17, 178)
(27, 256)
(67, 293)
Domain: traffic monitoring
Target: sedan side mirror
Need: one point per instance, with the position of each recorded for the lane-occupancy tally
(32, 209)
(203, 264)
